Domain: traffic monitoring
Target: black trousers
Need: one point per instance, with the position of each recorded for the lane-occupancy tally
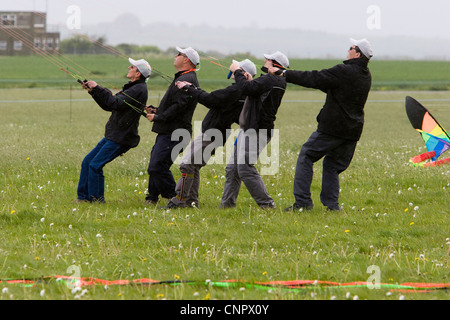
(337, 153)
(161, 181)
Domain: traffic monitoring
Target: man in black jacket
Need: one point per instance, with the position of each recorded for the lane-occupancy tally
(121, 131)
(225, 107)
(174, 115)
(264, 95)
(340, 123)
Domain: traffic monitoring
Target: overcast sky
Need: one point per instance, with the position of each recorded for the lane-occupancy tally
(428, 18)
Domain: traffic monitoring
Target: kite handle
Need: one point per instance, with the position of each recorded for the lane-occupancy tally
(437, 163)
(421, 158)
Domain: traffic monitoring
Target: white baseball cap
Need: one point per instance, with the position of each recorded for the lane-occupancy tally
(143, 67)
(278, 57)
(364, 46)
(248, 66)
(191, 54)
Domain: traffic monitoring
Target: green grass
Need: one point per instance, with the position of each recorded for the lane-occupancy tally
(395, 217)
(110, 71)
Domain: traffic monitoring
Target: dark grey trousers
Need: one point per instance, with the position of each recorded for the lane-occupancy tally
(241, 168)
(337, 153)
(195, 158)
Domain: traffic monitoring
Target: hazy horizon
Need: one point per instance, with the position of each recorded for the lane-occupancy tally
(388, 23)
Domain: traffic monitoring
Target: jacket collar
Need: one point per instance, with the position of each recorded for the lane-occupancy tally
(132, 83)
(358, 61)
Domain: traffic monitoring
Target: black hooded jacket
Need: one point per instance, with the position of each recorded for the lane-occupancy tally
(347, 87)
(225, 107)
(122, 126)
(264, 95)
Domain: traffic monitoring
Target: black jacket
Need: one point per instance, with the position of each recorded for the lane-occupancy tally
(225, 107)
(122, 126)
(177, 106)
(264, 95)
(347, 87)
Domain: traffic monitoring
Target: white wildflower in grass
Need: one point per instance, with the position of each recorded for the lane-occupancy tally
(75, 290)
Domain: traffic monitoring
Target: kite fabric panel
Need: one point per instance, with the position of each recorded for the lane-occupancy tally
(436, 138)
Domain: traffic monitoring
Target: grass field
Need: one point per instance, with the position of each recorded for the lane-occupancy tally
(394, 217)
(110, 70)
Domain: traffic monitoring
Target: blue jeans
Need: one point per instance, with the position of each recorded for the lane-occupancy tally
(91, 185)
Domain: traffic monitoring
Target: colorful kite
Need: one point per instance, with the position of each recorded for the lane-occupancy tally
(437, 140)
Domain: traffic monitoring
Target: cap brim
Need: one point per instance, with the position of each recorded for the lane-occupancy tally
(133, 62)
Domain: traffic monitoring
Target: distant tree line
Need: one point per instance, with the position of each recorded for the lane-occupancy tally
(82, 44)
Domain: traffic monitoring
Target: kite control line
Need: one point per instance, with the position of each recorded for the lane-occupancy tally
(293, 286)
(84, 83)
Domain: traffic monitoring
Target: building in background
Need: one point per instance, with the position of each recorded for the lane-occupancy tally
(22, 33)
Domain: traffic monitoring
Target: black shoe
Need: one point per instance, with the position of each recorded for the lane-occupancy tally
(268, 206)
(96, 200)
(81, 201)
(151, 202)
(194, 205)
(172, 205)
(337, 208)
(296, 207)
(227, 206)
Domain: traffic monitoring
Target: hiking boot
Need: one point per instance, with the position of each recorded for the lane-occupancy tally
(172, 205)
